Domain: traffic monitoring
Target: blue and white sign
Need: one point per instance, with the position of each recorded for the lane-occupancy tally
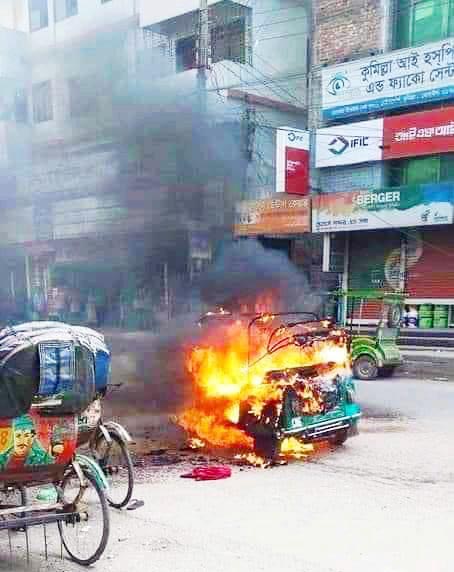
(349, 144)
(396, 79)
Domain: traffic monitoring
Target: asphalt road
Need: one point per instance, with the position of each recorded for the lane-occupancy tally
(384, 502)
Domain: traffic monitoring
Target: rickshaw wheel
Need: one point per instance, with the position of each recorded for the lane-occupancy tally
(365, 368)
(75, 531)
(113, 458)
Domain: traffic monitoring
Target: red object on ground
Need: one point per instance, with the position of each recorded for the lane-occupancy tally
(209, 473)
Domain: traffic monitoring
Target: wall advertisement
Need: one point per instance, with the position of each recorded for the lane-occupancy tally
(284, 216)
(419, 205)
(408, 135)
(292, 161)
(396, 79)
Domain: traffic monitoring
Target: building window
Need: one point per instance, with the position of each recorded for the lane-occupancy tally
(65, 9)
(186, 54)
(422, 21)
(83, 96)
(228, 42)
(21, 106)
(421, 170)
(42, 102)
(39, 14)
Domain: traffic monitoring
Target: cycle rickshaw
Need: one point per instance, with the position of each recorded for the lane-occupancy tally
(47, 379)
(105, 441)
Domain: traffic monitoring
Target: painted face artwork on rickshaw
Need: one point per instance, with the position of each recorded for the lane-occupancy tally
(32, 441)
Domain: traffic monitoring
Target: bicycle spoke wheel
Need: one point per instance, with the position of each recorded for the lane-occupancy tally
(115, 460)
(85, 534)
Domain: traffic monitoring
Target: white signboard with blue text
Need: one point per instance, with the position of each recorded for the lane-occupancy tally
(349, 144)
(396, 79)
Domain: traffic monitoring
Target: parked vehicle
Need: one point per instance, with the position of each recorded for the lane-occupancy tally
(47, 378)
(107, 442)
(374, 353)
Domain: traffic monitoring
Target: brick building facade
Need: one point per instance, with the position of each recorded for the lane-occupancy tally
(387, 255)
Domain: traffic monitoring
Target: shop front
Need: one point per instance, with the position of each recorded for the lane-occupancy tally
(283, 223)
(396, 240)
(429, 277)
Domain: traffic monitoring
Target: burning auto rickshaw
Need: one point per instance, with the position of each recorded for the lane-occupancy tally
(374, 353)
(297, 382)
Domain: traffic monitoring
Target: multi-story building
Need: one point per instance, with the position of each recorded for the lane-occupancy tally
(133, 128)
(116, 170)
(381, 102)
(71, 223)
(14, 151)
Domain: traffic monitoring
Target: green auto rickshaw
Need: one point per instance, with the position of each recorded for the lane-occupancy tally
(374, 353)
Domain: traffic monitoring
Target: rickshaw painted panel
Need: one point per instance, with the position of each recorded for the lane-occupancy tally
(32, 441)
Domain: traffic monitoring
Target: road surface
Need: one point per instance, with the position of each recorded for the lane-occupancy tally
(384, 502)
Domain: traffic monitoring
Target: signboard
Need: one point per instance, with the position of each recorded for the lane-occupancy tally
(423, 133)
(396, 79)
(272, 216)
(409, 135)
(419, 205)
(292, 161)
(349, 144)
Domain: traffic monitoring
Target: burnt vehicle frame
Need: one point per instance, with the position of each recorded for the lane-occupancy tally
(288, 416)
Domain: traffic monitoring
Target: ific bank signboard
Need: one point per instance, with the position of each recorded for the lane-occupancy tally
(349, 144)
(292, 161)
(418, 205)
(396, 79)
(408, 135)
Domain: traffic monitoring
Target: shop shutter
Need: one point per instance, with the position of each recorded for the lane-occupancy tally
(374, 264)
(430, 264)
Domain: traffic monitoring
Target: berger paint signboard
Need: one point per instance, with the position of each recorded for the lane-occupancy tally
(419, 205)
(273, 216)
(292, 161)
(399, 78)
(349, 144)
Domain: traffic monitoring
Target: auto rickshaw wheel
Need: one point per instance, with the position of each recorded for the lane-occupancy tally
(365, 368)
(340, 437)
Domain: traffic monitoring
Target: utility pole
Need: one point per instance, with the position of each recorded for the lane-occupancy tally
(203, 50)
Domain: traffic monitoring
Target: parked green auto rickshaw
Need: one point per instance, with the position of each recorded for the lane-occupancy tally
(373, 354)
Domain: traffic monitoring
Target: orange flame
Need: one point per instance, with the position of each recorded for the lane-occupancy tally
(291, 447)
(228, 370)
